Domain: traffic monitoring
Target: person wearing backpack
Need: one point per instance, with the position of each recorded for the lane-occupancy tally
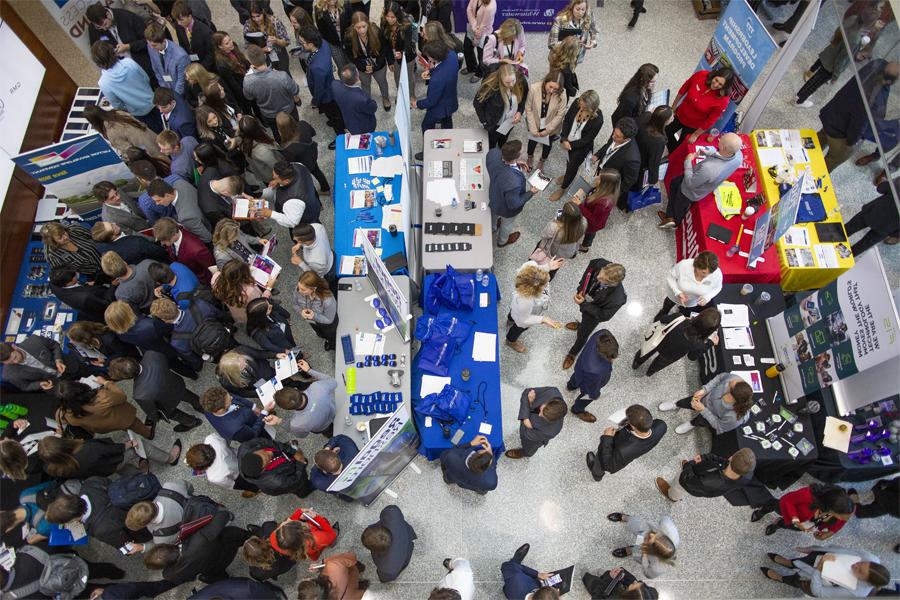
(93, 509)
(239, 588)
(269, 324)
(274, 467)
(196, 331)
(157, 390)
(37, 574)
(206, 553)
(162, 516)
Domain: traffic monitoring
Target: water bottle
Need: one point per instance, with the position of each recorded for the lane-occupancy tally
(478, 274)
(454, 202)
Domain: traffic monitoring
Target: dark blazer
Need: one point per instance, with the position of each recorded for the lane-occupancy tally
(627, 161)
(243, 7)
(583, 146)
(592, 371)
(213, 206)
(287, 478)
(112, 347)
(441, 100)
(509, 190)
(491, 109)
(631, 104)
(239, 425)
(453, 463)
(542, 430)
(193, 254)
(150, 334)
(651, 148)
(706, 478)
(89, 300)
(332, 32)
(233, 82)
(390, 564)
(845, 115)
(305, 152)
(47, 351)
(203, 552)
(271, 337)
(319, 74)
(131, 31)
(98, 457)
(181, 119)
(347, 450)
(378, 60)
(676, 345)
(188, 325)
(518, 580)
(602, 304)
(282, 563)
(129, 223)
(156, 387)
(615, 452)
(258, 368)
(403, 43)
(200, 44)
(357, 107)
(106, 523)
(239, 588)
(135, 248)
(596, 585)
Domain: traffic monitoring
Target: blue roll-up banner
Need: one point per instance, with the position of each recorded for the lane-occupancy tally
(742, 43)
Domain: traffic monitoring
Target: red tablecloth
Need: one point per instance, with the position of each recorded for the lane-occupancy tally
(691, 238)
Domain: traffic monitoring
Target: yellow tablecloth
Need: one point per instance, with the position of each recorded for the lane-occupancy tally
(815, 273)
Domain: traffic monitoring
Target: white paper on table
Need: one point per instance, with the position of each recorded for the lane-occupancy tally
(387, 166)
(734, 315)
(617, 417)
(833, 437)
(749, 360)
(388, 194)
(391, 216)
(139, 447)
(838, 571)
(770, 156)
(825, 256)
(359, 164)
(433, 385)
(796, 236)
(266, 392)
(485, 428)
(441, 191)
(484, 348)
(737, 338)
(285, 367)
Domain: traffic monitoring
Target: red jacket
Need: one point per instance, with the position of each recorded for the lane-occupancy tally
(596, 213)
(796, 504)
(193, 254)
(323, 535)
(701, 107)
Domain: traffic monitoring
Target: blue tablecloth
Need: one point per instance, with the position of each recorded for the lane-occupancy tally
(346, 219)
(488, 409)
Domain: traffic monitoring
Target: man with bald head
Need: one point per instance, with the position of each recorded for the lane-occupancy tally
(701, 179)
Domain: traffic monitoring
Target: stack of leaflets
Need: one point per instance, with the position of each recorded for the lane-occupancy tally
(244, 208)
(358, 142)
(728, 199)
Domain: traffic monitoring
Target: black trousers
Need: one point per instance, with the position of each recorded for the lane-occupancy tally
(659, 363)
(104, 570)
(445, 123)
(473, 56)
(242, 484)
(230, 541)
(679, 204)
(820, 77)
(316, 172)
(585, 329)
(674, 127)
(495, 139)
(514, 330)
(698, 420)
(576, 159)
(545, 149)
(588, 239)
(857, 224)
(326, 331)
(333, 116)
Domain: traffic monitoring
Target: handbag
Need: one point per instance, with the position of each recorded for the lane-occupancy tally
(540, 254)
(648, 196)
(657, 333)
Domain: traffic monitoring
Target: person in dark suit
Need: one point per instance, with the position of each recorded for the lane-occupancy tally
(157, 390)
(621, 153)
(618, 583)
(471, 466)
(879, 216)
(651, 141)
(68, 458)
(637, 436)
(337, 453)
(122, 29)
(184, 247)
(391, 542)
(131, 248)
(520, 581)
(239, 588)
(240, 423)
(689, 338)
(39, 362)
(441, 101)
(195, 36)
(357, 107)
(187, 209)
(146, 334)
(541, 412)
(120, 208)
(599, 296)
(89, 300)
(184, 324)
(176, 112)
(320, 79)
(509, 190)
(592, 372)
(581, 125)
(274, 467)
(710, 476)
(269, 325)
(205, 554)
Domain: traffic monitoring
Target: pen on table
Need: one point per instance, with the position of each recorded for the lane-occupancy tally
(345, 379)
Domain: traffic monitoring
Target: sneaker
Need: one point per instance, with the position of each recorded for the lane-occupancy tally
(684, 428)
(805, 104)
(664, 406)
(669, 223)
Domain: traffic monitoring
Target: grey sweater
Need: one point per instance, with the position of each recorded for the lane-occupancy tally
(704, 177)
(719, 414)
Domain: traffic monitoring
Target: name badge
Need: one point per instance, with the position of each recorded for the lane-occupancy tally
(194, 57)
(167, 78)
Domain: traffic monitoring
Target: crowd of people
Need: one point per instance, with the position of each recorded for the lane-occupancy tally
(163, 290)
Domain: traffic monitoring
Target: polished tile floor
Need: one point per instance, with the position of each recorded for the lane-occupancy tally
(550, 500)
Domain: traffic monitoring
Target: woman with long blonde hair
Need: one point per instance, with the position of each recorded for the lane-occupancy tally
(577, 21)
(500, 102)
(506, 46)
(363, 45)
(530, 300)
(234, 286)
(332, 20)
(564, 58)
(581, 125)
(197, 78)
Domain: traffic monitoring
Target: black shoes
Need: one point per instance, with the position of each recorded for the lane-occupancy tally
(419, 156)
(187, 425)
(758, 514)
(447, 563)
(521, 553)
(620, 552)
(772, 528)
(590, 458)
(332, 145)
(615, 517)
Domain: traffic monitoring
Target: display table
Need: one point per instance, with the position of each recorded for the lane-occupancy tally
(691, 238)
(483, 385)
(774, 467)
(356, 316)
(814, 273)
(481, 255)
(346, 219)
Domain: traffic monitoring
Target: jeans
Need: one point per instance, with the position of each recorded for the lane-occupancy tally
(507, 226)
(679, 204)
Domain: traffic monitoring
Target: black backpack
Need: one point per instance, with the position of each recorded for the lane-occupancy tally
(128, 491)
(210, 337)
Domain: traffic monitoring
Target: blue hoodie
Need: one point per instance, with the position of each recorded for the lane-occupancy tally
(127, 87)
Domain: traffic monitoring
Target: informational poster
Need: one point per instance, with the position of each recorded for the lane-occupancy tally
(70, 169)
(390, 293)
(845, 328)
(742, 43)
(781, 217)
(760, 232)
(381, 460)
(403, 121)
(70, 16)
(535, 15)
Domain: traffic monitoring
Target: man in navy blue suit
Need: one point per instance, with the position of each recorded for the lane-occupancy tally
(441, 101)
(319, 79)
(358, 108)
(330, 461)
(176, 112)
(509, 190)
(471, 466)
(521, 582)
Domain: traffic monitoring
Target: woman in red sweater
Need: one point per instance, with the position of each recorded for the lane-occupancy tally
(700, 102)
(598, 204)
(303, 535)
(821, 509)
